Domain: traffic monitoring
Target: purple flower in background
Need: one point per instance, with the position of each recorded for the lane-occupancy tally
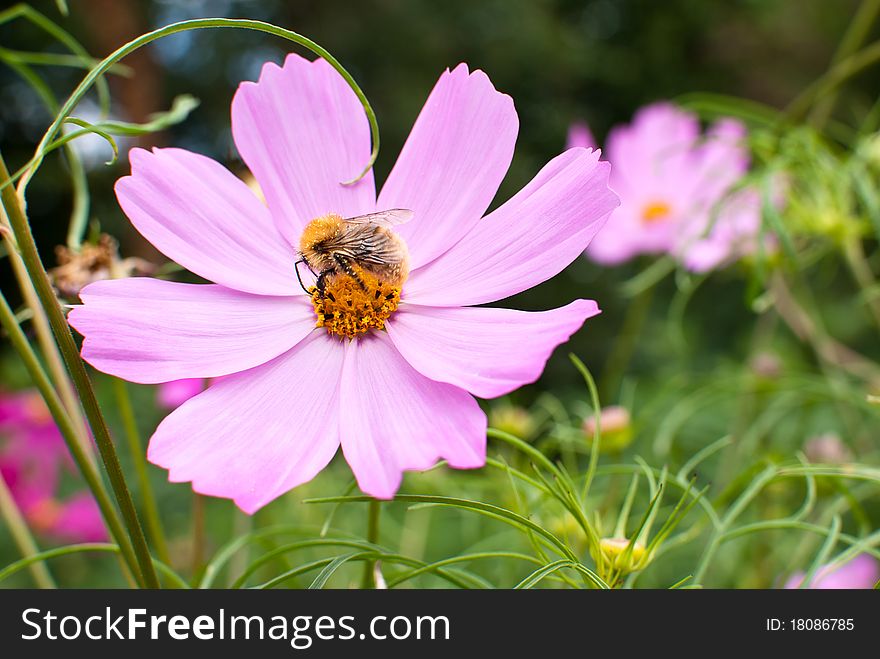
(676, 190)
(32, 455)
(397, 397)
(861, 572)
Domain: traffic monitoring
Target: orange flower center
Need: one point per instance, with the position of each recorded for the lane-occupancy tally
(656, 211)
(349, 307)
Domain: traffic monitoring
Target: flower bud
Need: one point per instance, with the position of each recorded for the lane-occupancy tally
(615, 428)
(613, 553)
(513, 420)
(828, 449)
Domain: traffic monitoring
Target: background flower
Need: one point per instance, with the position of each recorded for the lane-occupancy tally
(863, 571)
(32, 455)
(676, 189)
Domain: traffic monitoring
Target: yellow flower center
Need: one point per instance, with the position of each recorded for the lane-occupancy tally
(656, 211)
(349, 308)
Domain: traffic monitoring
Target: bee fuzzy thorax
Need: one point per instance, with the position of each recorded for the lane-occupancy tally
(317, 233)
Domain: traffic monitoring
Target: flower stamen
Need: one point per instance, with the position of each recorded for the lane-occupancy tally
(349, 307)
(656, 211)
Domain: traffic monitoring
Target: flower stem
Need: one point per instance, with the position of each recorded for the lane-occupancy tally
(830, 81)
(374, 511)
(625, 345)
(65, 426)
(198, 534)
(854, 37)
(97, 72)
(136, 448)
(146, 574)
(854, 252)
(48, 347)
(22, 537)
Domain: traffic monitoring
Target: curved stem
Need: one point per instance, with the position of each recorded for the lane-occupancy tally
(197, 24)
(146, 574)
(21, 535)
(836, 76)
(855, 35)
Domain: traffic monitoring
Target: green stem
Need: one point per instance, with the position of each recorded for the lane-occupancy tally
(37, 273)
(834, 78)
(861, 270)
(855, 36)
(65, 426)
(136, 448)
(22, 10)
(43, 331)
(198, 535)
(625, 345)
(21, 535)
(373, 515)
(108, 62)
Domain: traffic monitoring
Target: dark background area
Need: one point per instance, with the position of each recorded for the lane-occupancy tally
(560, 60)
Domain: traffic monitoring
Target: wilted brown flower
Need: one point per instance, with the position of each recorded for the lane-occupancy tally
(93, 262)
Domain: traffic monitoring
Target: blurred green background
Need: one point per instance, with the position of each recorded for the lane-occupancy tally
(560, 60)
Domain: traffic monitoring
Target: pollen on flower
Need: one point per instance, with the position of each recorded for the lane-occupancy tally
(349, 308)
(656, 211)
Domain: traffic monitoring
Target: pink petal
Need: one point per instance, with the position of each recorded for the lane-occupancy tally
(488, 352)
(302, 132)
(862, 572)
(580, 135)
(80, 520)
(253, 436)
(206, 219)
(657, 144)
(147, 330)
(452, 163)
(526, 241)
(392, 419)
(175, 393)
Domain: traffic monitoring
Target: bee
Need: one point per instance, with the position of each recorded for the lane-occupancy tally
(353, 246)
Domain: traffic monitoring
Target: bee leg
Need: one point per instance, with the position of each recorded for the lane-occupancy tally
(321, 283)
(298, 277)
(346, 267)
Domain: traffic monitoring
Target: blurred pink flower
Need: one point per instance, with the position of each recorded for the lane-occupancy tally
(675, 190)
(396, 400)
(32, 453)
(580, 135)
(173, 394)
(860, 573)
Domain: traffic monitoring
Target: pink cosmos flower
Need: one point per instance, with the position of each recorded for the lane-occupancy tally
(860, 573)
(580, 135)
(175, 393)
(675, 189)
(396, 399)
(32, 454)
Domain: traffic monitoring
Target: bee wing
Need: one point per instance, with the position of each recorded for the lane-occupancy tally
(385, 219)
(366, 244)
